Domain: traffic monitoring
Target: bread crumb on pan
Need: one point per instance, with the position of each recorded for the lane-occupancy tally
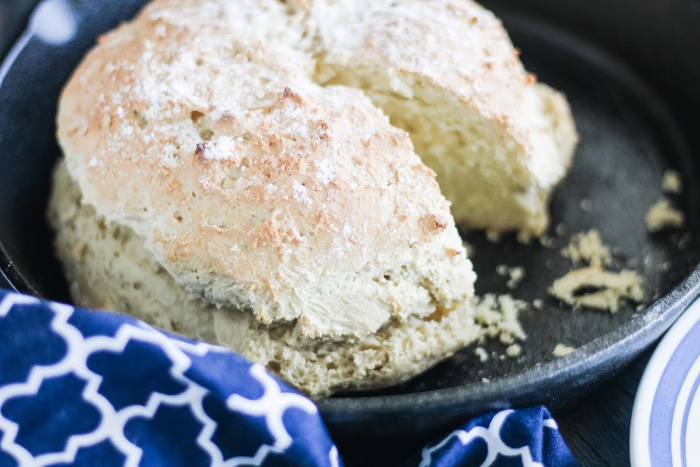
(468, 248)
(560, 230)
(662, 216)
(672, 182)
(515, 275)
(547, 241)
(482, 354)
(514, 351)
(498, 317)
(588, 247)
(562, 350)
(595, 288)
(586, 205)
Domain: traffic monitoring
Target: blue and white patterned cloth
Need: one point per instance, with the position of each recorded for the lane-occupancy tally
(91, 388)
(528, 437)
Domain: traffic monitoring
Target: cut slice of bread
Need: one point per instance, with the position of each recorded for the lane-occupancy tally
(109, 266)
(446, 72)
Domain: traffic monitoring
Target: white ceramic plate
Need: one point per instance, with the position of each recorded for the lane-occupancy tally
(666, 415)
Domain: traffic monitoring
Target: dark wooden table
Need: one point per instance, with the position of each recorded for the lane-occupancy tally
(597, 429)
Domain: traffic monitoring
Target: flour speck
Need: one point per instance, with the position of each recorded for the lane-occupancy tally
(301, 194)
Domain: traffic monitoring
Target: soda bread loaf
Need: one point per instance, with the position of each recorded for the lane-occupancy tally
(109, 266)
(231, 174)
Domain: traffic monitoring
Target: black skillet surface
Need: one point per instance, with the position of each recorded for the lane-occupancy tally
(628, 138)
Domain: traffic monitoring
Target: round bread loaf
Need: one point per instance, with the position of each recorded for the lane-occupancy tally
(243, 171)
(199, 126)
(108, 266)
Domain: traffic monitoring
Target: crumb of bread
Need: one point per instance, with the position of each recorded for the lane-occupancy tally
(562, 350)
(524, 237)
(498, 316)
(595, 288)
(684, 241)
(672, 182)
(588, 247)
(482, 354)
(493, 236)
(547, 242)
(538, 303)
(514, 351)
(663, 216)
(515, 275)
(586, 205)
(560, 230)
(648, 261)
(468, 247)
(506, 339)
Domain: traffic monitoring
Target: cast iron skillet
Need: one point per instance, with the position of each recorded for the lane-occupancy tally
(630, 73)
